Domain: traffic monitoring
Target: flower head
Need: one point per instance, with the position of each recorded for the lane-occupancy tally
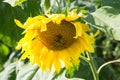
(54, 41)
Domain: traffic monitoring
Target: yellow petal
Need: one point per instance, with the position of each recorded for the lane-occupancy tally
(43, 27)
(97, 33)
(57, 18)
(19, 23)
(78, 29)
(85, 27)
(72, 16)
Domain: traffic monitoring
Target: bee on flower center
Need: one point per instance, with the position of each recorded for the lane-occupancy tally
(58, 36)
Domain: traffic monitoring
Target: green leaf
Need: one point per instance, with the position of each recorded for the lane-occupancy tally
(45, 4)
(18, 2)
(33, 72)
(10, 33)
(107, 19)
(4, 50)
(106, 70)
(21, 70)
(5, 39)
(27, 72)
(14, 3)
(9, 72)
(113, 3)
(85, 71)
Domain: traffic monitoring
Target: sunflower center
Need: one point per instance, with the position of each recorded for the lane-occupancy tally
(58, 36)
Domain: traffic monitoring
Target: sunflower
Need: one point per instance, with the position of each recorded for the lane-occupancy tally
(55, 40)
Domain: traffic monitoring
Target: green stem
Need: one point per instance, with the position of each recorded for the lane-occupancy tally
(59, 6)
(98, 71)
(92, 66)
(67, 5)
(85, 59)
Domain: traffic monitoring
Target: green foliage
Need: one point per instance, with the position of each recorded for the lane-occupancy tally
(45, 4)
(14, 2)
(9, 72)
(27, 72)
(4, 51)
(85, 71)
(102, 14)
(114, 3)
(107, 19)
(18, 2)
(10, 33)
(24, 71)
(8, 29)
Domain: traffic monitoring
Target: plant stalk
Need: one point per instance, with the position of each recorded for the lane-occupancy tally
(114, 61)
(92, 66)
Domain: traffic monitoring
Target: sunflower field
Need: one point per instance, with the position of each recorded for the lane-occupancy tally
(59, 39)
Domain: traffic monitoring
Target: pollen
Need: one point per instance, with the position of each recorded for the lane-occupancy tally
(58, 36)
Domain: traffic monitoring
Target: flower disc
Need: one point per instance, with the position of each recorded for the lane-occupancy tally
(58, 36)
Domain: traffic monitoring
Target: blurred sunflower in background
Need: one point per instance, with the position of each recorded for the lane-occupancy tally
(55, 40)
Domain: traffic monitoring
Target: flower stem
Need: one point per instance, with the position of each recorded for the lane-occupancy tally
(59, 6)
(98, 71)
(85, 59)
(92, 66)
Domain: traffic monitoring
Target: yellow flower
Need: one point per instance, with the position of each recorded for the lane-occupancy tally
(54, 41)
